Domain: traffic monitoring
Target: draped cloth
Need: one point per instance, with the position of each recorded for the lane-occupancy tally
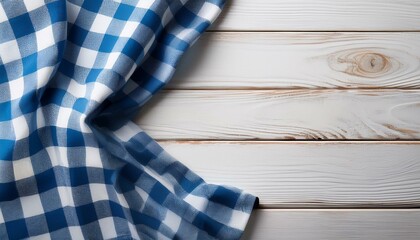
(72, 163)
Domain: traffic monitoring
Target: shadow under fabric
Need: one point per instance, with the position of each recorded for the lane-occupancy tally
(73, 165)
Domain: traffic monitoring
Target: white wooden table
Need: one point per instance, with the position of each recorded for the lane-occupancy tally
(313, 106)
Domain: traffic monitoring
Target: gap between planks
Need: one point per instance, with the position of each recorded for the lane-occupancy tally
(171, 88)
(262, 141)
(310, 31)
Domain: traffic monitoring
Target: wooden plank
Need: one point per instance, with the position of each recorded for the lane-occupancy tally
(301, 60)
(320, 15)
(283, 114)
(310, 174)
(295, 224)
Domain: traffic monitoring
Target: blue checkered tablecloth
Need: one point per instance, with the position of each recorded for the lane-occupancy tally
(72, 163)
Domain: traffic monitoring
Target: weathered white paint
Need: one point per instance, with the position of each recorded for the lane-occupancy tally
(305, 174)
(333, 224)
(283, 114)
(310, 174)
(320, 15)
(234, 60)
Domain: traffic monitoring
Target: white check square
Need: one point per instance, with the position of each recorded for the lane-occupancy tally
(86, 57)
(22, 168)
(197, 202)
(63, 117)
(108, 228)
(98, 192)
(17, 88)
(99, 92)
(238, 219)
(101, 23)
(112, 59)
(172, 220)
(76, 232)
(3, 16)
(9, 51)
(72, 12)
(1, 217)
(31, 205)
(129, 29)
(146, 4)
(45, 38)
(93, 157)
(209, 11)
(43, 76)
(21, 128)
(40, 118)
(76, 89)
(33, 4)
(58, 156)
(167, 16)
(66, 196)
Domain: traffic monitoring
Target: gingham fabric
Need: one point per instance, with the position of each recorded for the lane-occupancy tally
(72, 163)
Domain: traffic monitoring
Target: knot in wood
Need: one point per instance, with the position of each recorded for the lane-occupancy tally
(360, 63)
(372, 63)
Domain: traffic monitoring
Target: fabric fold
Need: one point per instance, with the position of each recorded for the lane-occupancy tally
(72, 163)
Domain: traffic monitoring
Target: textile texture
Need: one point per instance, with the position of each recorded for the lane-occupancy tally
(72, 163)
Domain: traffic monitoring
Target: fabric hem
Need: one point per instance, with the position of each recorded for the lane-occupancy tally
(250, 203)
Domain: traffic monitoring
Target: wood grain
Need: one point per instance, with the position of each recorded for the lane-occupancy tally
(334, 224)
(301, 60)
(283, 114)
(310, 174)
(319, 15)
